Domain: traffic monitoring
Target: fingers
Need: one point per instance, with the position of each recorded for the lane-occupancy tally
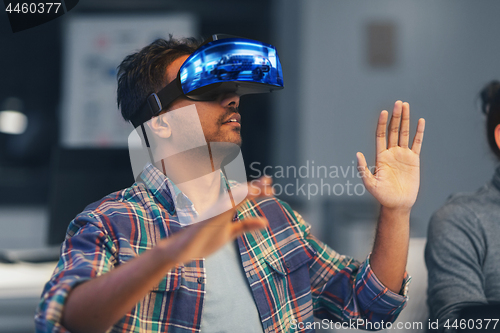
(256, 188)
(404, 133)
(248, 224)
(419, 136)
(364, 171)
(399, 128)
(381, 143)
(394, 125)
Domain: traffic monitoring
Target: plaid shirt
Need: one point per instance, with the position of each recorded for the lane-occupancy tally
(292, 275)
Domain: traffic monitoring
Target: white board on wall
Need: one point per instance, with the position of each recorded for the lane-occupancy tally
(94, 45)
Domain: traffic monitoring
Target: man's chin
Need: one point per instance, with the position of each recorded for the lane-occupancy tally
(239, 142)
(234, 138)
(236, 142)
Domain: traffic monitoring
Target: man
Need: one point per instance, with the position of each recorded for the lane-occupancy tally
(462, 251)
(128, 262)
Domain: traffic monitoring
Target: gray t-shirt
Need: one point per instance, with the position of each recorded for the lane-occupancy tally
(229, 304)
(463, 252)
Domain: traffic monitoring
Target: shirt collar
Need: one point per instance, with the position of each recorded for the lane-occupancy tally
(162, 188)
(157, 182)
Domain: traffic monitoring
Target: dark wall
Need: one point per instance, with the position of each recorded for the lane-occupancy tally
(29, 70)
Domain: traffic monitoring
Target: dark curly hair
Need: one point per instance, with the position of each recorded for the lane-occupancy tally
(490, 105)
(143, 73)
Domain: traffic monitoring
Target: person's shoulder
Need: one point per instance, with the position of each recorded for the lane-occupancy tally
(135, 195)
(471, 201)
(465, 210)
(116, 206)
(486, 193)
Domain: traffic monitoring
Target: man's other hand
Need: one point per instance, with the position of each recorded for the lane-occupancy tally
(396, 179)
(206, 237)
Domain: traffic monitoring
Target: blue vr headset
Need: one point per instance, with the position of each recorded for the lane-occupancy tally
(222, 64)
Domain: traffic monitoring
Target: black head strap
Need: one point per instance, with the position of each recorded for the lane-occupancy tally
(156, 102)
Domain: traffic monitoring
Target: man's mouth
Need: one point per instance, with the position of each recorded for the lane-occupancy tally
(234, 120)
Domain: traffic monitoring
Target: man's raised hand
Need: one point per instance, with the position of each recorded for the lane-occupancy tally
(396, 179)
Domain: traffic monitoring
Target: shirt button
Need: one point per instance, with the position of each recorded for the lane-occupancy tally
(287, 264)
(201, 280)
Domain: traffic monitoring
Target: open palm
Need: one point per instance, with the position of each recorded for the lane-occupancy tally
(396, 178)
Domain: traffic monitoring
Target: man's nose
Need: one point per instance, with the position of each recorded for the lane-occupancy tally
(230, 100)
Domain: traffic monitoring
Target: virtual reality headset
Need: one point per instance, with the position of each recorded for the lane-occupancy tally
(222, 64)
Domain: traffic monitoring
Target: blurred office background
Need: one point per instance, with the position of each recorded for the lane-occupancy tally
(343, 62)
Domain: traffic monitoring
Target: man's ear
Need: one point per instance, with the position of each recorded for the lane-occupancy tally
(160, 126)
(497, 135)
